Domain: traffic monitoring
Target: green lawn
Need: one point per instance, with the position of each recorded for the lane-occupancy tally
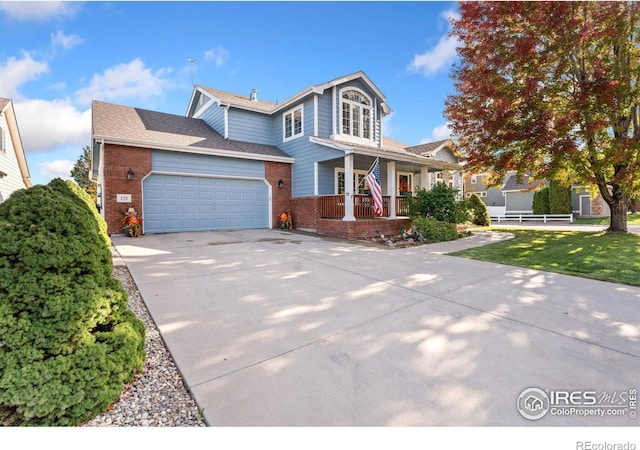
(611, 257)
(632, 219)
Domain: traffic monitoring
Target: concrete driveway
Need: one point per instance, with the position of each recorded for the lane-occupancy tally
(273, 328)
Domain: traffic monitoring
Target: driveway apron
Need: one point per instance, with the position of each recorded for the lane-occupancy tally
(274, 328)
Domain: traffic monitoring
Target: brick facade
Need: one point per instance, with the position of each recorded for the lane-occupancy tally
(362, 228)
(306, 215)
(281, 196)
(118, 159)
(305, 212)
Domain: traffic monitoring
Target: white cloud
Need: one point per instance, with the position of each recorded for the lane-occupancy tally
(18, 71)
(39, 11)
(440, 133)
(439, 57)
(46, 125)
(130, 80)
(60, 168)
(66, 42)
(387, 128)
(217, 54)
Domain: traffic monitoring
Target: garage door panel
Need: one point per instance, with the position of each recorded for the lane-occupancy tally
(190, 203)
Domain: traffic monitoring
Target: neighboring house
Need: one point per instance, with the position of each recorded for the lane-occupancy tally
(14, 172)
(514, 197)
(237, 162)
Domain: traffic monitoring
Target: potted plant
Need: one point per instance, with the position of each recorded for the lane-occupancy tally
(131, 223)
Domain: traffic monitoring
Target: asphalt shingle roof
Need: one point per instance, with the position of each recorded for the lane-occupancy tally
(239, 100)
(527, 183)
(3, 103)
(128, 123)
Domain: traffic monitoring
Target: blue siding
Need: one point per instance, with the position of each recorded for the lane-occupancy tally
(446, 155)
(324, 115)
(374, 101)
(249, 126)
(214, 117)
(305, 153)
(177, 162)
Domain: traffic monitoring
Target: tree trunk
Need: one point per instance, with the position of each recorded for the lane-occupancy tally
(618, 221)
(618, 203)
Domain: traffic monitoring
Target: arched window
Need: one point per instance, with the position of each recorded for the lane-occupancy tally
(356, 114)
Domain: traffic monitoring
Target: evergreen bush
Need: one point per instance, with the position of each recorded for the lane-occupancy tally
(438, 203)
(68, 342)
(559, 198)
(541, 201)
(433, 230)
(479, 211)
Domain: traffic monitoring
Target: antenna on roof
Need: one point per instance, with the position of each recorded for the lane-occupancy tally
(191, 61)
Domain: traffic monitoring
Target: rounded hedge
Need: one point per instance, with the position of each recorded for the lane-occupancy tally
(433, 230)
(68, 342)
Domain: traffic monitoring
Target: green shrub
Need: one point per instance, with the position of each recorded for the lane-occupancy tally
(68, 342)
(438, 203)
(433, 230)
(541, 201)
(479, 211)
(82, 195)
(559, 198)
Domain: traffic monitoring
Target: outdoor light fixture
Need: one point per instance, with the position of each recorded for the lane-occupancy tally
(281, 183)
(130, 174)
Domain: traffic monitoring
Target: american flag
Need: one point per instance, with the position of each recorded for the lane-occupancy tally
(373, 180)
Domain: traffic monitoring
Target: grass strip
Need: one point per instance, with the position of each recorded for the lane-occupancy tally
(613, 257)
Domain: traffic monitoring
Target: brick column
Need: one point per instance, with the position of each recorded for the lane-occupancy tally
(118, 159)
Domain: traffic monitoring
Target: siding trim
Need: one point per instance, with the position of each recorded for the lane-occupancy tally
(200, 151)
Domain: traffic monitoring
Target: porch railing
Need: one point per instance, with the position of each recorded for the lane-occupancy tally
(332, 206)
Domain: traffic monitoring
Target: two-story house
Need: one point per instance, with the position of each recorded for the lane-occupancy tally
(14, 172)
(235, 161)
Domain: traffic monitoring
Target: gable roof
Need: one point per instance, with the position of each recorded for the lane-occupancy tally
(391, 149)
(240, 101)
(430, 148)
(245, 102)
(527, 184)
(6, 108)
(141, 127)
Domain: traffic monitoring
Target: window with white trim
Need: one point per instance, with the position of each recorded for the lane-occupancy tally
(292, 124)
(356, 115)
(3, 143)
(359, 185)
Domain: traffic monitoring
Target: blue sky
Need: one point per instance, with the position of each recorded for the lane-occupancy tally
(56, 57)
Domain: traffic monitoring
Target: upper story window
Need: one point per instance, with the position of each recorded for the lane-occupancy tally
(3, 143)
(292, 123)
(356, 114)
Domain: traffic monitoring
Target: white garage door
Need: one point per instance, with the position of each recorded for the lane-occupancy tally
(189, 203)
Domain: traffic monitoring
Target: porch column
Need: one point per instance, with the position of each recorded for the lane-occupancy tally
(348, 187)
(391, 188)
(424, 178)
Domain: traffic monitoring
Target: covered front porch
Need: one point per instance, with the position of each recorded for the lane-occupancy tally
(334, 206)
(344, 209)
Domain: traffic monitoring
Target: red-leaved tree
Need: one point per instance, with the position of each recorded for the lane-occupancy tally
(549, 87)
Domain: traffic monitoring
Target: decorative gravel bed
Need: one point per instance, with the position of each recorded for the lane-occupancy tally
(158, 397)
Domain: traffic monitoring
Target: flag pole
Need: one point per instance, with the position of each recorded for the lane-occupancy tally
(368, 172)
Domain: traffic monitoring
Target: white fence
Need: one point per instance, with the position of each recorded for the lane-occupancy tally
(532, 217)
